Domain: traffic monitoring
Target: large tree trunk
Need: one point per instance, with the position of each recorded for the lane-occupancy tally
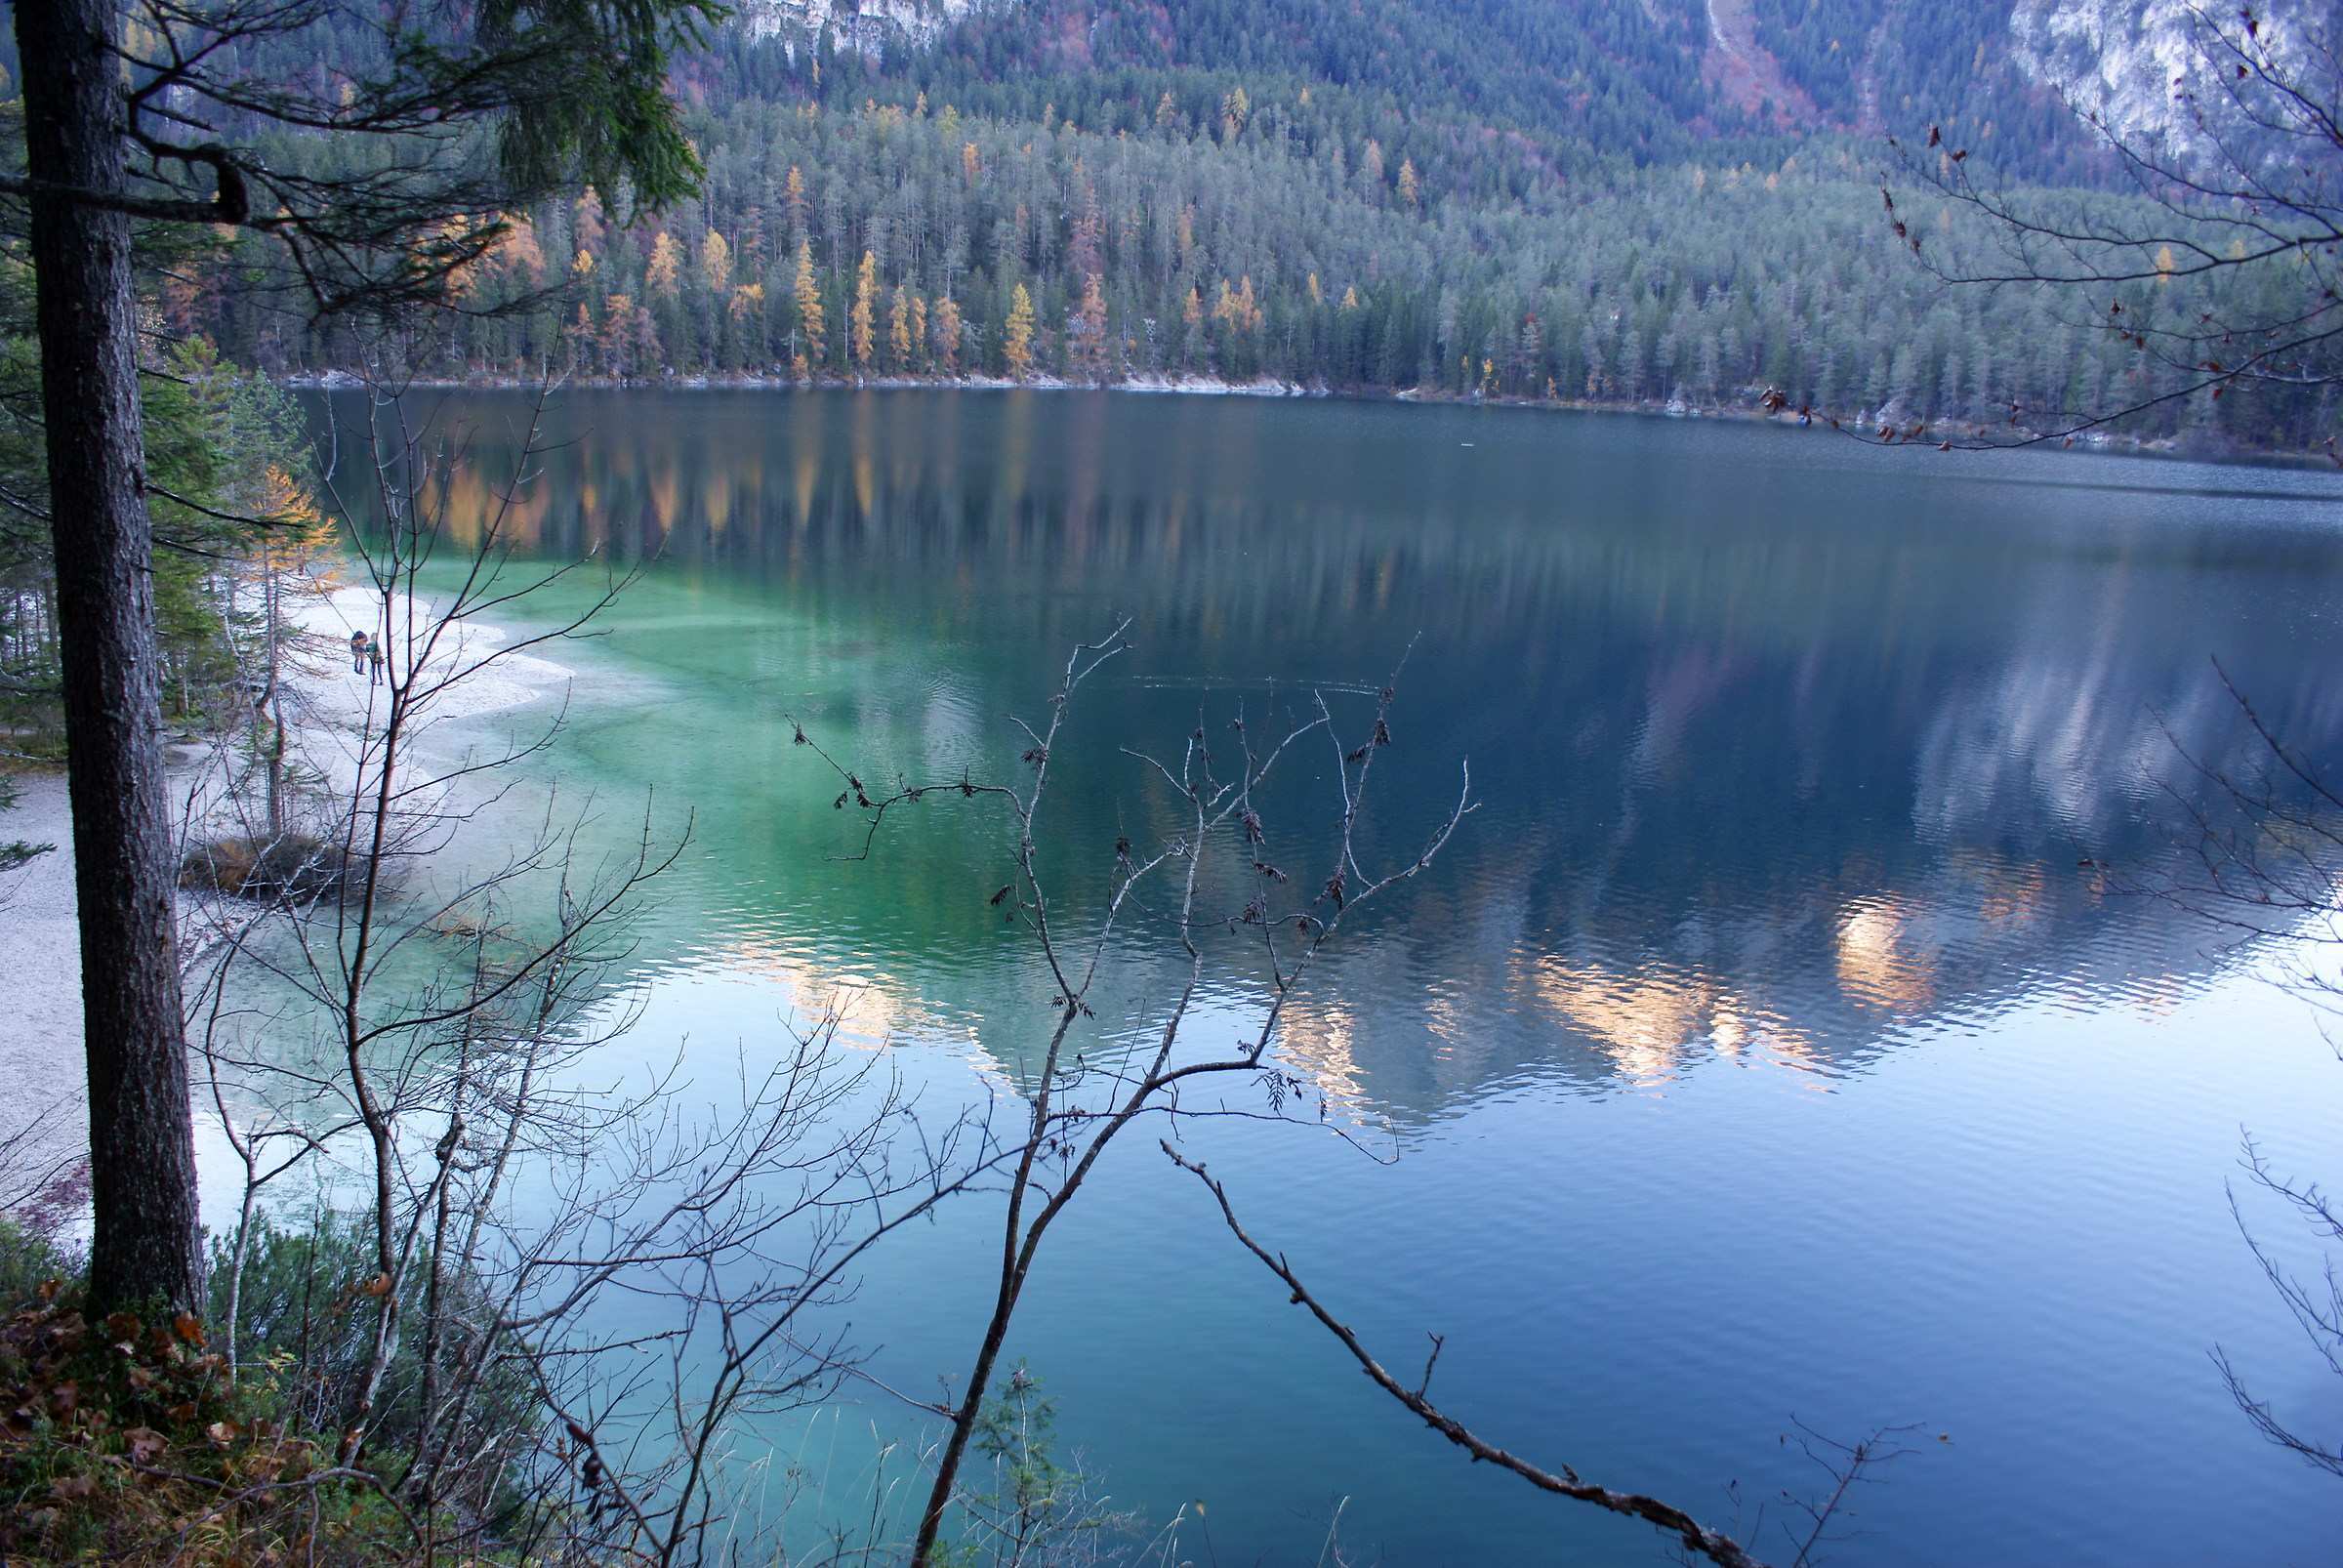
(142, 1145)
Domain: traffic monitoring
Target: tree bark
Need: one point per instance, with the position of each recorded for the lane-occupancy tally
(142, 1143)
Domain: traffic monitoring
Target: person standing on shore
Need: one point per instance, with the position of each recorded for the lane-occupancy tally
(374, 661)
(357, 652)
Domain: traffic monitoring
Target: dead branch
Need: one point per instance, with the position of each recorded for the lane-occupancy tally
(1717, 1547)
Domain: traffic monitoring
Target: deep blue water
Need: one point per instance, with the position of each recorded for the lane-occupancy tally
(1757, 1053)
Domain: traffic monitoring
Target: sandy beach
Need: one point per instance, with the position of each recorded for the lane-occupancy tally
(327, 706)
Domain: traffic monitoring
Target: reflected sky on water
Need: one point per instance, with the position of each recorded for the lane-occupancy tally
(1762, 1046)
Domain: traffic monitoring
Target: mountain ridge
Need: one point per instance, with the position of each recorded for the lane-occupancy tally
(1651, 79)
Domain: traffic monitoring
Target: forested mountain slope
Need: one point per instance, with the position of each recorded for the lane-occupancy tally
(1636, 78)
(1622, 201)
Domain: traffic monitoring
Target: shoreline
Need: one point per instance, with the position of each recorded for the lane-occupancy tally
(2218, 449)
(41, 1071)
(41, 1065)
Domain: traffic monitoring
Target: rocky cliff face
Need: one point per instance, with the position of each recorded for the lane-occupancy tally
(2159, 73)
(866, 26)
(2121, 60)
(1684, 69)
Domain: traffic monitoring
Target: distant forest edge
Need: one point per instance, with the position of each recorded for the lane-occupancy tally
(1539, 207)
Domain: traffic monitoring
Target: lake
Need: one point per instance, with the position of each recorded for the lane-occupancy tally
(1765, 1049)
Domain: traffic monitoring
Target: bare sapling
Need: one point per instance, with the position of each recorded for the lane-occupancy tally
(1084, 1090)
(2261, 858)
(393, 812)
(1849, 1465)
(428, 1030)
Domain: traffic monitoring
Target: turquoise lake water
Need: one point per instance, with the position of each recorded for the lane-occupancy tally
(1759, 1052)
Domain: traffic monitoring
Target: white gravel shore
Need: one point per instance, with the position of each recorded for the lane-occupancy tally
(40, 976)
(41, 1069)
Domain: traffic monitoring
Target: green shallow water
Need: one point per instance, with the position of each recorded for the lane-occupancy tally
(1758, 1050)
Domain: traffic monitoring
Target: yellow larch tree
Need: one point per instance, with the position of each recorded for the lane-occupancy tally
(1237, 307)
(862, 316)
(617, 333)
(810, 311)
(1017, 343)
(715, 264)
(947, 334)
(899, 329)
(585, 221)
(667, 262)
(793, 202)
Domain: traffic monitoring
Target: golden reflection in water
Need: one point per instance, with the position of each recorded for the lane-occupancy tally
(717, 501)
(1318, 1042)
(1876, 963)
(1016, 451)
(466, 499)
(2005, 891)
(853, 467)
(531, 505)
(461, 501)
(1649, 1020)
(666, 485)
(806, 442)
(871, 1007)
(1641, 1020)
(866, 483)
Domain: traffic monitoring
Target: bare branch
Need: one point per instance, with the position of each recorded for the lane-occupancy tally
(1695, 1537)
